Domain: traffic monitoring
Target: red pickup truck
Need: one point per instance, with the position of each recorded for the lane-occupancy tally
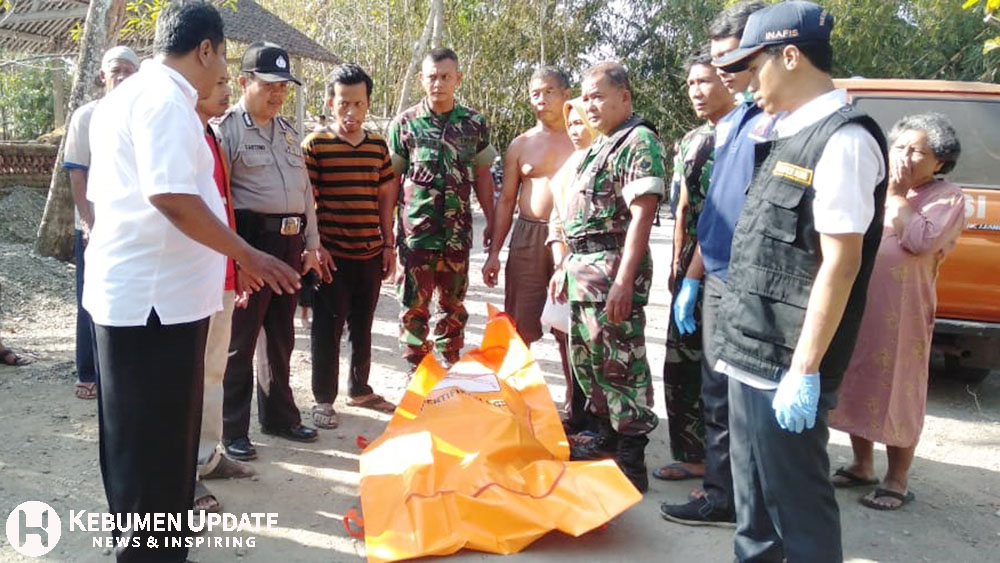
(967, 331)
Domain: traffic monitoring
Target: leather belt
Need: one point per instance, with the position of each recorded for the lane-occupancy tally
(287, 225)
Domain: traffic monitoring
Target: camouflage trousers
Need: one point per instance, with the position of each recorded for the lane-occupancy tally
(426, 272)
(682, 386)
(609, 361)
(685, 420)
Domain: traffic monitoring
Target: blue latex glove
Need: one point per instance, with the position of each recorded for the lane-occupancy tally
(795, 401)
(684, 305)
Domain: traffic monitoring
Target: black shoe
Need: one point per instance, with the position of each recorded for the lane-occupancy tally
(631, 458)
(240, 449)
(297, 433)
(601, 447)
(698, 512)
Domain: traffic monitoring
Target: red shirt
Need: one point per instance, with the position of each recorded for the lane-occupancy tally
(220, 181)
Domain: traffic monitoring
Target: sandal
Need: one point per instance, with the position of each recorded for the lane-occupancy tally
(324, 416)
(848, 480)
(10, 358)
(373, 402)
(86, 391)
(871, 500)
(581, 438)
(229, 469)
(204, 499)
(676, 472)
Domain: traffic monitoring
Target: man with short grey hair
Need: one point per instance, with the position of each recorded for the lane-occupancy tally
(531, 161)
(117, 64)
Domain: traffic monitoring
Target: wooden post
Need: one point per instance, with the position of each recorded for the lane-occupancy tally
(55, 233)
(300, 100)
(58, 94)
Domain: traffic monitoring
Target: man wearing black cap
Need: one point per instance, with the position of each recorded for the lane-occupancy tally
(802, 255)
(273, 202)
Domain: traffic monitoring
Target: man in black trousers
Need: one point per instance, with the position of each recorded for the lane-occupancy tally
(275, 212)
(155, 272)
(802, 255)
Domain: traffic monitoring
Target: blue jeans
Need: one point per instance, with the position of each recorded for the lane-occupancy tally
(86, 354)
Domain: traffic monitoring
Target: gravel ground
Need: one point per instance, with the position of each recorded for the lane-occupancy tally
(49, 445)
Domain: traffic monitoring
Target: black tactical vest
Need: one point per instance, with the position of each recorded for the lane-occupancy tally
(776, 255)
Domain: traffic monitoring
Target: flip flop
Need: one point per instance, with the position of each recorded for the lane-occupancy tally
(373, 402)
(10, 358)
(201, 493)
(86, 391)
(229, 469)
(869, 499)
(674, 472)
(849, 480)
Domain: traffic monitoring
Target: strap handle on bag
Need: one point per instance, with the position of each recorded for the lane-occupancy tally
(353, 516)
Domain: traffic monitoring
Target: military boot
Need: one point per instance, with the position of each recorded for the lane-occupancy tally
(601, 447)
(631, 458)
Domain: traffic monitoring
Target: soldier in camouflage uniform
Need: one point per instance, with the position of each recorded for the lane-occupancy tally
(609, 269)
(442, 151)
(693, 161)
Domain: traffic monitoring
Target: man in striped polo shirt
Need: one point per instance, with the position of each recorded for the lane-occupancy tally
(356, 191)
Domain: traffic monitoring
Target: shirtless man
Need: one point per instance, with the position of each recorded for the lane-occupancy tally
(531, 161)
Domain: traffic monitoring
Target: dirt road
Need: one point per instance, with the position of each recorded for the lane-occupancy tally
(49, 449)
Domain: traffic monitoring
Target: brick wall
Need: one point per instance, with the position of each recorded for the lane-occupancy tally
(26, 164)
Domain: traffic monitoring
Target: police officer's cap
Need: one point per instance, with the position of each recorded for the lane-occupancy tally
(268, 62)
(793, 22)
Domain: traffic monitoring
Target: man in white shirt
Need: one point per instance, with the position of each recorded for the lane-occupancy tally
(155, 273)
(117, 64)
(802, 255)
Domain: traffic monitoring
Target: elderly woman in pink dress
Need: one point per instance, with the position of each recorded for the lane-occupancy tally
(884, 392)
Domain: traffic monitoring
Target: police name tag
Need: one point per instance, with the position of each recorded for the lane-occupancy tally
(794, 173)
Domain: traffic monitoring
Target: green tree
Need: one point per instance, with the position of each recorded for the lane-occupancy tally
(499, 44)
(926, 39)
(989, 8)
(26, 100)
(653, 38)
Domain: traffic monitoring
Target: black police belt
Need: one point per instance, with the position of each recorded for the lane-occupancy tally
(284, 223)
(596, 243)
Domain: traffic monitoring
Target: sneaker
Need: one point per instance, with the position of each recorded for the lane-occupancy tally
(698, 512)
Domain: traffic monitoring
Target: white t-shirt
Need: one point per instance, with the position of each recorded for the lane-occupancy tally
(150, 142)
(847, 172)
(844, 181)
(76, 154)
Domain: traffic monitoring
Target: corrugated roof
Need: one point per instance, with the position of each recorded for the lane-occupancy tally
(43, 27)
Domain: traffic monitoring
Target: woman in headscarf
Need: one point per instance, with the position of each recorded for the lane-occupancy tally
(884, 392)
(581, 134)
